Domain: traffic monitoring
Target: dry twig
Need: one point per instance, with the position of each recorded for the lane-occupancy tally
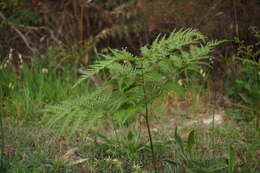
(14, 27)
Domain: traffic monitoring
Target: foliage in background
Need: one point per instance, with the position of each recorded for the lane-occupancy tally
(118, 23)
(13, 14)
(245, 84)
(27, 88)
(16, 13)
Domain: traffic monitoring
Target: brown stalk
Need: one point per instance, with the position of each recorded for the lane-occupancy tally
(235, 15)
(81, 24)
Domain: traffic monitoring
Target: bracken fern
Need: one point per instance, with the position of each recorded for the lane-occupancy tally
(121, 98)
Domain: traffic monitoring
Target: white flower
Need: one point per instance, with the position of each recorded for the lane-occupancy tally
(180, 82)
(20, 58)
(44, 70)
(11, 86)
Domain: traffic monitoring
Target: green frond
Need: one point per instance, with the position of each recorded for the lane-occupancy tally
(249, 61)
(163, 48)
(122, 69)
(123, 115)
(186, 37)
(80, 112)
(134, 95)
(93, 118)
(121, 55)
(93, 69)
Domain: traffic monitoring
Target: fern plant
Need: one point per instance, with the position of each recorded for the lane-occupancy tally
(135, 82)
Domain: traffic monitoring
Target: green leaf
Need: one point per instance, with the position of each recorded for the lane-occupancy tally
(191, 141)
(106, 140)
(231, 159)
(171, 162)
(178, 89)
(246, 98)
(216, 167)
(93, 69)
(130, 136)
(179, 141)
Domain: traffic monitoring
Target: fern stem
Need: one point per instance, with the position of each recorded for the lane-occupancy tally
(147, 124)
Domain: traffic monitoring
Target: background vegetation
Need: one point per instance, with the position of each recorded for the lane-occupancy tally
(120, 98)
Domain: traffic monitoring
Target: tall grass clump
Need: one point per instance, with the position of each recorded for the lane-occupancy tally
(135, 83)
(28, 87)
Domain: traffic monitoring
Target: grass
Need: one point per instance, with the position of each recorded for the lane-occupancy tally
(36, 149)
(23, 95)
(29, 147)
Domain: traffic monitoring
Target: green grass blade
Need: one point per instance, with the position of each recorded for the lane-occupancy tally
(191, 141)
(231, 159)
(179, 141)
